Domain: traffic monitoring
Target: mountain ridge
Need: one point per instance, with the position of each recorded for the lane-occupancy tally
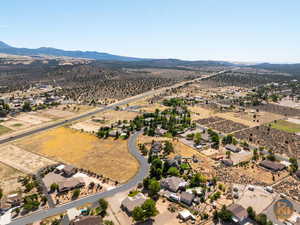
(7, 49)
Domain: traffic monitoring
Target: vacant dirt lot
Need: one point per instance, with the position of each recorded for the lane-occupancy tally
(22, 160)
(198, 112)
(9, 176)
(113, 116)
(261, 117)
(249, 174)
(4, 130)
(87, 126)
(25, 120)
(108, 157)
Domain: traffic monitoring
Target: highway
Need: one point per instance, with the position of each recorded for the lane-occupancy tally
(105, 108)
(142, 173)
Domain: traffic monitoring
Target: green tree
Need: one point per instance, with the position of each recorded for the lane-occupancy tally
(255, 155)
(149, 208)
(26, 107)
(54, 187)
(197, 180)
(108, 222)
(146, 211)
(76, 193)
(225, 215)
(103, 204)
(261, 219)
(173, 171)
(251, 213)
(197, 138)
(168, 148)
(228, 154)
(138, 214)
(294, 165)
(154, 187)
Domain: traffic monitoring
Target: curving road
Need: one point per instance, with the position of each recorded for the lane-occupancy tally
(142, 173)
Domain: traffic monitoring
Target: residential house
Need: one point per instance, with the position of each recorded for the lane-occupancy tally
(173, 183)
(232, 148)
(14, 199)
(175, 162)
(187, 198)
(239, 213)
(69, 170)
(160, 131)
(69, 184)
(129, 203)
(227, 162)
(156, 147)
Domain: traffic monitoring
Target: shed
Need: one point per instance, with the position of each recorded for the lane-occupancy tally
(273, 166)
(186, 215)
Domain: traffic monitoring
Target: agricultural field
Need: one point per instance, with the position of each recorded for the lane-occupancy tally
(9, 178)
(108, 157)
(286, 126)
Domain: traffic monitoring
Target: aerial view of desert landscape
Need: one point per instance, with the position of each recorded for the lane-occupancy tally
(149, 112)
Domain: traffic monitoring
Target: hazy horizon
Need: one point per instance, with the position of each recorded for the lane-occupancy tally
(198, 30)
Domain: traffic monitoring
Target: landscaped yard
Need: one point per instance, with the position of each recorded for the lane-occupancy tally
(104, 156)
(286, 126)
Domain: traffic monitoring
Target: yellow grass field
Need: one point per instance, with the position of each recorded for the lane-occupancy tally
(108, 157)
(200, 113)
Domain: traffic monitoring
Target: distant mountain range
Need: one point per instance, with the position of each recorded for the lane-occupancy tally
(7, 49)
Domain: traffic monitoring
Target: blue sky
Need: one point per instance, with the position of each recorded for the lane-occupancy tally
(238, 30)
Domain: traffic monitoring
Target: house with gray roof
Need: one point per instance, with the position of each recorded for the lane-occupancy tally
(129, 203)
(173, 183)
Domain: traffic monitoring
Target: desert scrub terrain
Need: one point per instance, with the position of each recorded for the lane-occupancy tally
(9, 176)
(108, 157)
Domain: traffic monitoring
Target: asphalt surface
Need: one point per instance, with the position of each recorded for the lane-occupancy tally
(105, 108)
(143, 172)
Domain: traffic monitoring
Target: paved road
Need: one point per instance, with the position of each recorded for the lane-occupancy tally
(105, 108)
(143, 172)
